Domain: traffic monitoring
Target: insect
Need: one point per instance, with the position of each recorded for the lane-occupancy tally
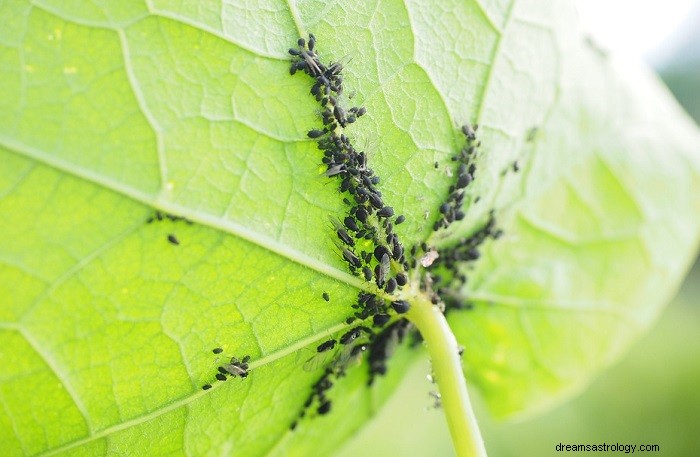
(324, 408)
(350, 224)
(344, 237)
(351, 258)
(217, 350)
(401, 306)
(380, 319)
(206, 387)
(387, 211)
(221, 377)
(401, 279)
(326, 296)
(350, 335)
(390, 286)
(470, 131)
(400, 219)
(173, 240)
(315, 133)
(325, 346)
(339, 356)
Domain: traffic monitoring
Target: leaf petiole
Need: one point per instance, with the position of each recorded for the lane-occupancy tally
(447, 367)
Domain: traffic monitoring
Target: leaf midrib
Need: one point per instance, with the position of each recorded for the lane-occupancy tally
(160, 203)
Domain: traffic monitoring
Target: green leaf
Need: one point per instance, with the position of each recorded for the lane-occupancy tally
(108, 111)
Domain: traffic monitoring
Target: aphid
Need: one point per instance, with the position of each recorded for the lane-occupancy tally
(380, 319)
(401, 306)
(325, 346)
(173, 240)
(401, 279)
(324, 408)
(350, 224)
(397, 251)
(245, 360)
(221, 377)
(350, 335)
(312, 41)
(294, 52)
(361, 215)
(390, 286)
(315, 133)
(326, 296)
(335, 170)
(469, 131)
(375, 200)
(345, 238)
(206, 387)
(217, 350)
(436, 165)
(361, 111)
(351, 258)
(384, 265)
(516, 167)
(301, 42)
(236, 370)
(379, 252)
(464, 181)
(367, 272)
(338, 113)
(222, 370)
(387, 211)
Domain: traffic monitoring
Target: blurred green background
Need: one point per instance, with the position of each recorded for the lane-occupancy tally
(652, 396)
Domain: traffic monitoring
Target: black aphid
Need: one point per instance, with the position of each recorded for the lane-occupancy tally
(401, 279)
(345, 238)
(400, 219)
(326, 296)
(217, 350)
(221, 377)
(401, 306)
(173, 240)
(390, 286)
(350, 224)
(315, 133)
(351, 258)
(387, 211)
(463, 181)
(325, 346)
(206, 387)
(469, 131)
(324, 408)
(350, 335)
(380, 251)
(380, 319)
(367, 272)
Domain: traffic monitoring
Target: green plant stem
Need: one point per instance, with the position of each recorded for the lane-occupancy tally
(447, 369)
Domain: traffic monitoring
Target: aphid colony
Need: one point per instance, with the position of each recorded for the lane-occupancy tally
(159, 216)
(369, 217)
(366, 239)
(233, 368)
(443, 269)
(451, 209)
